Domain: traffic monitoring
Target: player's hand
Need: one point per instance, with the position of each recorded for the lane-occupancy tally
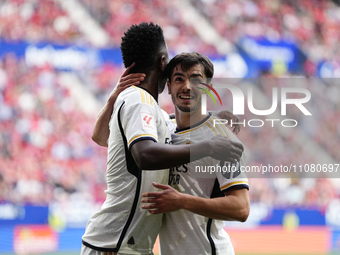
(125, 81)
(167, 200)
(229, 116)
(223, 148)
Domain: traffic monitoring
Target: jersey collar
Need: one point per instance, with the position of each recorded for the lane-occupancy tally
(195, 125)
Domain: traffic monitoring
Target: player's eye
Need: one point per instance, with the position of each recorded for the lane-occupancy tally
(196, 82)
(178, 79)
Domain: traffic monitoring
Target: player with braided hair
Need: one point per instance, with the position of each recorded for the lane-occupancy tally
(138, 140)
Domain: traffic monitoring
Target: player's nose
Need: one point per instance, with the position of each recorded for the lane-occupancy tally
(186, 85)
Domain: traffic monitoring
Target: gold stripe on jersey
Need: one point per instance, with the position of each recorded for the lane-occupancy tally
(233, 183)
(226, 130)
(222, 129)
(147, 98)
(187, 131)
(138, 136)
(211, 127)
(151, 99)
(217, 130)
(142, 95)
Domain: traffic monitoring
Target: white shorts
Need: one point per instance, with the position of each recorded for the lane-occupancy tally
(88, 251)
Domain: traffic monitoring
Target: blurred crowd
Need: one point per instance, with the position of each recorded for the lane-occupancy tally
(116, 16)
(37, 21)
(46, 151)
(313, 24)
(45, 139)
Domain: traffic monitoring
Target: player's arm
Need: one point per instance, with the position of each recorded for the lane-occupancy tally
(234, 206)
(101, 131)
(149, 155)
(226, 115)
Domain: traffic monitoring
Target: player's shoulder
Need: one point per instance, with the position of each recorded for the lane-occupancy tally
(218, 128)
(137, 95)
(131, 94)
(172, 125)
(215, 128)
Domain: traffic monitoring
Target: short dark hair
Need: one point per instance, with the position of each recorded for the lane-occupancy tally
(188, 60)
(140, 44)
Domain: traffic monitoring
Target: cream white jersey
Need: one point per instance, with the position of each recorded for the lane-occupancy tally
(182, 231)
(121, 225)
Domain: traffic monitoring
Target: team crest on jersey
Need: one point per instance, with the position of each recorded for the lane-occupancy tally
(148, 120)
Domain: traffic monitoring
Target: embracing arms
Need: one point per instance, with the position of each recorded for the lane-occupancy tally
(234, 206)
(149, 155)
(101, 131)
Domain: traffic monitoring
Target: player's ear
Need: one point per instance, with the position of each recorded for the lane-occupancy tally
(168, 85)
(162, 62)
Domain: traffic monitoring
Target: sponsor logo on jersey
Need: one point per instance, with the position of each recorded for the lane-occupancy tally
(148, 120)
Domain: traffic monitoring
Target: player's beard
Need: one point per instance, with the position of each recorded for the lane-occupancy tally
(187, 108)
